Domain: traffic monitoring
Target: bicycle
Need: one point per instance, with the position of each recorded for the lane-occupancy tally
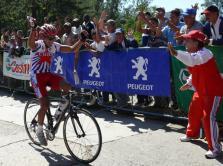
(76, 133)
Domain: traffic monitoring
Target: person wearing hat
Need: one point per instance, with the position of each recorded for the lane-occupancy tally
(107, 30)
(208, 85)
(173, 26)
(110, 28)
(214, 26)
(189, 16)
(68, 38)
(76, 26)
(160, 15)
(88, 25)
(121, 42)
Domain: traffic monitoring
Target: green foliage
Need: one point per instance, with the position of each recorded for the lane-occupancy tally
(13, 13)
(218, 3)
(130, 12)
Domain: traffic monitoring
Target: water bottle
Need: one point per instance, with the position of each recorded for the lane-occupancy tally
(62, 106)
(76, 77)
(57, 114)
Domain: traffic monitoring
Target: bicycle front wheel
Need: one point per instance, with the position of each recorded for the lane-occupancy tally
(82, 136)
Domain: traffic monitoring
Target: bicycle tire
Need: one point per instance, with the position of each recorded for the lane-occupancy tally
(87, 113)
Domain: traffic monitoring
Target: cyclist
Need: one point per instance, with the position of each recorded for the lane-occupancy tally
(42, 51)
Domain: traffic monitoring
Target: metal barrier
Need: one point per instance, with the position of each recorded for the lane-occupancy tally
(24, 86)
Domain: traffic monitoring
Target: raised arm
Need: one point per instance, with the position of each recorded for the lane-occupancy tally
(198, 58)
(96, 22)
(173, 27)
(77, 45)
(142, 17)
(31, 40)
(32, 36)
(139, 27)
(101, 22)
(190, 59)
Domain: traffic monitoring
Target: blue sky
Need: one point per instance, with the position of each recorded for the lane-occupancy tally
(171, 4)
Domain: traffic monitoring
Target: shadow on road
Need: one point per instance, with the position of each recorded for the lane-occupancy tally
(20, 96)
(135, 123)
(54, 158)
(205, 146)
(175, 129)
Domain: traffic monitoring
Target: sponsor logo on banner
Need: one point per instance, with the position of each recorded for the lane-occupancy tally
(135, 71)
(58, 63)
(141, 66)
(183, 76)
(16, 67)
(94, 65)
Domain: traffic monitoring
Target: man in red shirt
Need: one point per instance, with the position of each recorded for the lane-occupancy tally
(208, 85)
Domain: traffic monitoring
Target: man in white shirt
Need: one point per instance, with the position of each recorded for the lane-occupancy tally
(68, 38)
(76, 26)
(214, 26)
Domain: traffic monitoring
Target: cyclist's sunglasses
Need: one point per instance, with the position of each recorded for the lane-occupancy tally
(51, 38)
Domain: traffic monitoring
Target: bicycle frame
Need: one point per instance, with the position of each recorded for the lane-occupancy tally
(70, 110)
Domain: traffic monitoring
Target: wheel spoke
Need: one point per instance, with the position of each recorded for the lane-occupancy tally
(87, 147)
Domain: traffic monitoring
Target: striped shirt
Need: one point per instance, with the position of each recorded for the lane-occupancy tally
(41, 57)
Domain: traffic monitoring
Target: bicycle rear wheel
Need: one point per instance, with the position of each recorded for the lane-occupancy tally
(30, 119)
(82, 136)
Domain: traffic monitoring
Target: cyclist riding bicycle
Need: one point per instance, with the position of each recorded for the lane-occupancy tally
(42, 52)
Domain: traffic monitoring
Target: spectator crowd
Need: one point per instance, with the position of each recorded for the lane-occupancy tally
(103, 33)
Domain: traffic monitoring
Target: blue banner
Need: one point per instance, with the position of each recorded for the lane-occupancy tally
(63, 64)
(134, 71)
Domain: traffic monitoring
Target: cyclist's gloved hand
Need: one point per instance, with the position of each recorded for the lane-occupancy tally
(83, 35)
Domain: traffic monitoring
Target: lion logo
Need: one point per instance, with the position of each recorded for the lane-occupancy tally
(8, 64)
(94, 64)
(141, 65)
(58, 63)
(183, 76)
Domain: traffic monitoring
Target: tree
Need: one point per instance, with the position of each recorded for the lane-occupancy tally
(218, 3)
(112, 8)
(13, 13)
(129, 13)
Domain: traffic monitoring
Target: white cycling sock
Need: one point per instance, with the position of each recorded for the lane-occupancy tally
(40, 128)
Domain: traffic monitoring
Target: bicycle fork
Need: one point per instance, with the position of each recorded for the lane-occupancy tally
(74, 115)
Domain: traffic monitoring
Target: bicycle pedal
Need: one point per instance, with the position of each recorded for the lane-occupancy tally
(50, 136)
